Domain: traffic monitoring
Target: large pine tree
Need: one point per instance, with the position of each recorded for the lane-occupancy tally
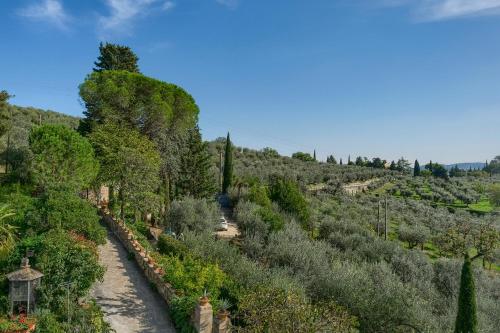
(195, 178)
(228, 166)
(116, 57)
(466, 321)
(416, 169)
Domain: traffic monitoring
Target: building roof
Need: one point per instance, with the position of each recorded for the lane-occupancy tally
(26, 273)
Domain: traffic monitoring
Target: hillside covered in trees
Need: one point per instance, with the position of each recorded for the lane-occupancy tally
(18, 123)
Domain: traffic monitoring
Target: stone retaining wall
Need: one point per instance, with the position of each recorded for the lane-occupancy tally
(153, 272)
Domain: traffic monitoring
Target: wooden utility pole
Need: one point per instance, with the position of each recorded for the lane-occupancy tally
(7, 154)
(385, 220)
(378, 219)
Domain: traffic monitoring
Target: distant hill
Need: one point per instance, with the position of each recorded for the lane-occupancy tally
(467, 166)
(25, 118)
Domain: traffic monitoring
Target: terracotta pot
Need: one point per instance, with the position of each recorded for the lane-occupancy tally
(222, 315)
(203, 300)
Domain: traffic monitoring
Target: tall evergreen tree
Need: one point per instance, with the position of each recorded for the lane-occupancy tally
(331, 159)
(466, 321)
(4, 117)
(228, 166)
(416, 169)
(116, 57)
(393, 166)
(340, 161)
(349, 162)
(195, 178)
(314, 155)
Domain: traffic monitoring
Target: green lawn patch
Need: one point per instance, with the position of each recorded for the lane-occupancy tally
(483, 206)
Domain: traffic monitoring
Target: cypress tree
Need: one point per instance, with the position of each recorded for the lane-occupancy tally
(416, 169)
(341, 161)
(228, 166)
(466, 316)
(195, 178)
(314, 155)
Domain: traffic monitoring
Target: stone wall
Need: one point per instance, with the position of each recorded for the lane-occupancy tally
(153, 272)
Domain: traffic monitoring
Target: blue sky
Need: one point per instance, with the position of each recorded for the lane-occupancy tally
(389, 78)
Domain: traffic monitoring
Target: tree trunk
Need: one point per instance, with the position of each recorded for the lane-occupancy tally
(111, 198)
(385, 220)
(378, 219)
(122, 203)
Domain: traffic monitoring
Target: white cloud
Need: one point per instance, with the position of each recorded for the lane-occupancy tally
(124, 12)
(229, 3)
(168, 5)
(50, 11)
(435, 10)
(447, 9)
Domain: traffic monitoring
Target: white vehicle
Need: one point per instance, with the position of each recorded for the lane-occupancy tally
(223, 226)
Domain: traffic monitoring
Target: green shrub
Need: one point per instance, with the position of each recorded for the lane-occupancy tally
(142, 227)
(288, 196)
(260, 195)
(168, 245)
(192, 276)
(181, 309)
(275, 310)
(275, 220)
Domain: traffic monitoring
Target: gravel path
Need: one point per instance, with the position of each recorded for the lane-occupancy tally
(129, 303)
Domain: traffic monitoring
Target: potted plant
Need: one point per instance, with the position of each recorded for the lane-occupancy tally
(204, 298)
(223, 312)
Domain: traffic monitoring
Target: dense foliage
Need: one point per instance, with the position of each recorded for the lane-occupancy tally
(19, 121)
(46, 216)
(116, 57)
(61, 157)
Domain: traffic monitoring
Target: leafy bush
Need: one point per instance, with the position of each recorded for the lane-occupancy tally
(62, 209)
(181, 309)
(168, 245)
(192, 276)
(259, 194)
(275, 310)
(288, 196)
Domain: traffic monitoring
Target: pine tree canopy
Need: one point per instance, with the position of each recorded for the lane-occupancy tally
(116, 57)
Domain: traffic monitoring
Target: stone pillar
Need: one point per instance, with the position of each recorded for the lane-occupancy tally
(203, 318)
(222, 325)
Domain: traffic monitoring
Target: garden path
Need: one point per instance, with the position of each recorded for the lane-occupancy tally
(128, 301)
